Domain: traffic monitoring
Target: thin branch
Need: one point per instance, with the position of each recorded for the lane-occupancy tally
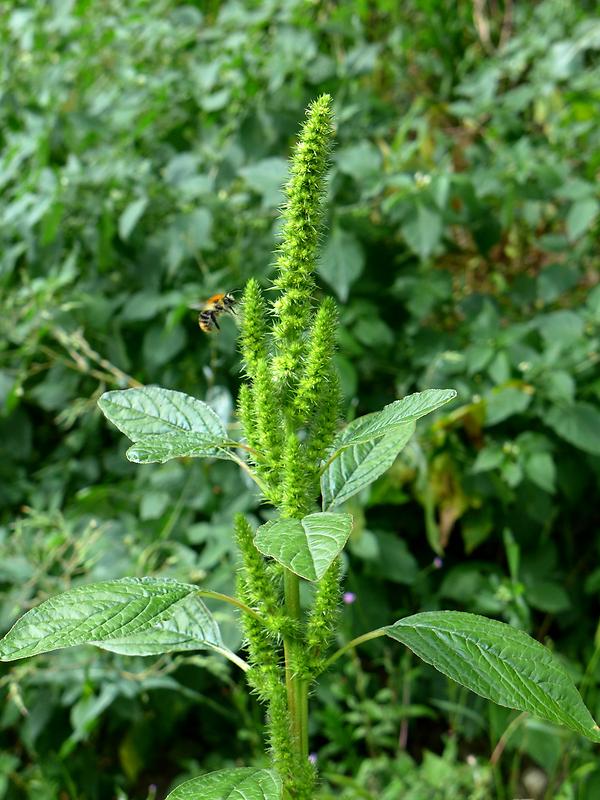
(251, 473)
(366, 637)
(503, 740)
(233, 601)
(239, 662)
(242, 446)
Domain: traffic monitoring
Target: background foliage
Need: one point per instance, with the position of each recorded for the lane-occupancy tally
(143, 150)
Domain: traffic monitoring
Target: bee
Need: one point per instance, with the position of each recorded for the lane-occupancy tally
(214, 306)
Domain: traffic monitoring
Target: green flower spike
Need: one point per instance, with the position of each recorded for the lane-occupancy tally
(317, 371)
(303, 218)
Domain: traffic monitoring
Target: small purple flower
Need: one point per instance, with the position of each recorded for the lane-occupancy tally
(437, 563)
(349, 598)
(313, 758)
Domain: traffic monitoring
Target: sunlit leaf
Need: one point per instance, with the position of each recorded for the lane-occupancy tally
(309, 546)
(395, 415)
(368, 446)
(498, 662)
(164, 424)
(356, 466)
(243, 783)
(161, 448)
(132, 616)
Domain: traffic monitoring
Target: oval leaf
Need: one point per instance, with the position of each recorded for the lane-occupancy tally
(498, 662)
(358, 465)
(412, 407)
(342, 261)
(423, 230)
(244, 783)
(131, 216)
(578, 424)
(150, 411)
(132, 616)
(158, 449)
(309, 546)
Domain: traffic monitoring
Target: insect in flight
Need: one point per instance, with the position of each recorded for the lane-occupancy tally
(212, 308)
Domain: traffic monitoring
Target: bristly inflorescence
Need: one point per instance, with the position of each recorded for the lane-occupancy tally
(302, 223)
(288, 407)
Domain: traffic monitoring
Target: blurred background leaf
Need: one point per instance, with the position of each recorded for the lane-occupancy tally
(143, 148)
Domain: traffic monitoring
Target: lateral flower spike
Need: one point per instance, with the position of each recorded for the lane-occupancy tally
(302, 220)
(254, 329)
(317, 369)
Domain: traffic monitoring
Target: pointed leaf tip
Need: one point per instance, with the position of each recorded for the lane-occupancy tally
(165, 424)
(150, 410)
(307, 547)
(368, 446)
(498, 662)
(131, 616)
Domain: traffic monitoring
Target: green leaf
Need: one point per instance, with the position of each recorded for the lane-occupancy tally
(581, 216)
(367, 447)
(548, 596)
(488, 458)
(362, 161)
(342, 261)
(540, 469)
(132, 616)
(498, 662)
(149, 414)
(131, 216)
(555, 280)
(561, 328)
(309, 546)
(161, 346)
(394, 560)
(393, 416)
(578, 424)
(267, 178)
(244, 783)
(504, 403)
(423, 230)
(356, 466)
(161, 448)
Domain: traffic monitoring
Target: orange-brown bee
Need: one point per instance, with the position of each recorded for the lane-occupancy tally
(215, 305)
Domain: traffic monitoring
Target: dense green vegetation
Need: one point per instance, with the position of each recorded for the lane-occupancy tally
(143, 151)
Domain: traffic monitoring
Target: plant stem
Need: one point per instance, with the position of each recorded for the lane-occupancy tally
(239, 662)
(250, 472)
(366, 637)
(297, 689)
(232, 601)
